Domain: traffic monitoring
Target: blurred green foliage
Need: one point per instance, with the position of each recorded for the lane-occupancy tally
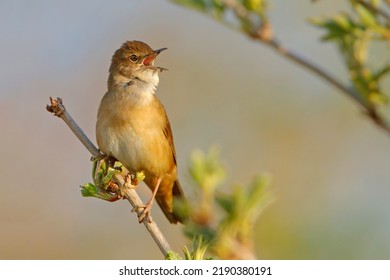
(219, 9)
(226, 232)
(197, 251)
(223, 222)
(352, 31)
(355, 32)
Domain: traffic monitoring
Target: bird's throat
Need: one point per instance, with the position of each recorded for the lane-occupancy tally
(137, 90)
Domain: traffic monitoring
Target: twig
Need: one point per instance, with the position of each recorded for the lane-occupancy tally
(131, 195)
(264, 35)
(276, 45)
(367, 108)
(58, 109)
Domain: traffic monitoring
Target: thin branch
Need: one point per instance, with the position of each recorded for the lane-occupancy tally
(131, 195)
(367, 108)
(264, 35)
(58, 109)
(295, 57)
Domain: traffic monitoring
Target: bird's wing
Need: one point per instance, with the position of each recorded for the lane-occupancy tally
(166, 127)
(168, 134)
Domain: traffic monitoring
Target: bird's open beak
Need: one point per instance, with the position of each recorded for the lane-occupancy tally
(159, 50)
(148, 60)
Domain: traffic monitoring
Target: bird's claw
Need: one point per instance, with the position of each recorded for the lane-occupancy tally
(144, 214)
(129, 181)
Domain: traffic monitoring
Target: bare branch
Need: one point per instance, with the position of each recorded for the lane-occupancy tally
(264, 34)
(367, 108)
(58, 109)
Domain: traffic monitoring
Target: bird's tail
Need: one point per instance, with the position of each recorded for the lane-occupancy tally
(167, 205)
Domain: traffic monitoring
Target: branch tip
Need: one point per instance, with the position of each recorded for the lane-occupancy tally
(56, 107)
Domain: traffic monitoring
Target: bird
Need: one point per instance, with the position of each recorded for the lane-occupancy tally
(133, 127)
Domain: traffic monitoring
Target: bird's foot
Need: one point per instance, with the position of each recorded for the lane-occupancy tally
(145, 213)
(104, 185)
(103, 163)
(114, 188)
(129, 181)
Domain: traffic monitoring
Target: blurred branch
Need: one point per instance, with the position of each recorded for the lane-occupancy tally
(253, 21)
(311, 66)
(58, 109)
(367, 108)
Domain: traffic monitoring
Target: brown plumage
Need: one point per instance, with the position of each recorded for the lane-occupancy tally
(132, 125)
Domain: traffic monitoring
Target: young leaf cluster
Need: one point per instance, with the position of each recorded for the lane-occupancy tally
(224, 221)
(353, 32)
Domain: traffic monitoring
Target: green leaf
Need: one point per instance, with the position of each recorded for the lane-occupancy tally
(140, 176)
(225, 201)
(198, 248)
(90, 190)
(193, 4)
(256, 191)
(365, 15)
(377, 98)
(337, 27)
(344, 22)
(256, 6)
(171, 255)
(206, 169)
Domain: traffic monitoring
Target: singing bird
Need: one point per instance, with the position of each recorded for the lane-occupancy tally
(132, 125)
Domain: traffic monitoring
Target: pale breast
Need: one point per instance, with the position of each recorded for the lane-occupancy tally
(134, 135)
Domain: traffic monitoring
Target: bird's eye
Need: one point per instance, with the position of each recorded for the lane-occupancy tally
(134, 58)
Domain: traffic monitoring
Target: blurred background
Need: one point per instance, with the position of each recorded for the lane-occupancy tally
(330, 165)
